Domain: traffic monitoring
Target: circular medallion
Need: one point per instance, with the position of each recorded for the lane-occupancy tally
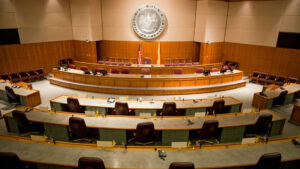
(148, 22)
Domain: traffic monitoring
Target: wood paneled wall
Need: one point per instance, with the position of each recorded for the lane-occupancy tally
(85, 51)
(278, 61)
(211, 52)
(168, 50)
(23, 57)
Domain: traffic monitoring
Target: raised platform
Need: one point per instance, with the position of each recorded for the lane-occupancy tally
(149, 90)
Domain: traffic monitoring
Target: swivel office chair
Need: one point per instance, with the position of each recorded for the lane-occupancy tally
(121, 108)
(217, 108)
(144, 133)
(74, 106)
(209, 132)
(169, 109)
(269, 161)
(10, 160)
(280, 99)
(78, 129)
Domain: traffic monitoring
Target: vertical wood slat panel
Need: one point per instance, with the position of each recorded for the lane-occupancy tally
(24, 57)
(278, 61)
(211, 53)
(168, 50)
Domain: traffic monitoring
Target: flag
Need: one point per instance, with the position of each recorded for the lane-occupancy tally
(140, 54)
(158, 53)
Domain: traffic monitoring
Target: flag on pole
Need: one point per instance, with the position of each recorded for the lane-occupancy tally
(158, 53)
(140, 54)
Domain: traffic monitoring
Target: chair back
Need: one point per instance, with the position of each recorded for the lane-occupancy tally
(125, 71)
(292, 80)
(280, 99)
(263, 75)
(11, 94)
(147, 60)
(91, 163)
(200, 70)
(77, 127)
(272, 77)
(73, 105)
(14, 75)
(4, 76)
(255, 74)
(70, 61)
(214, 69)
(218, 106)
(23, 74)
(145, 71)
(114, 70)
(40, 71)
(21, 120)
(144, 132)
(72, 66)
(121, 108)
(63, 62)
(10, 160)
(84, 68)
(169, 109)
(178, 71)
(209, 129)
(182, 165)
(262, 124)
(269, 161)
(280, 79)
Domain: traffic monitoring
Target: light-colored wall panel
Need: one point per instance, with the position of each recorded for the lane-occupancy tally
(259, 22)
(117, 18)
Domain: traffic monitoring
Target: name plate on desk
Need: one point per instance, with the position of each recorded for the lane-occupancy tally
(249, 140)
(200, 114)
(145, 115)
(179, 144)
(147, 76)
(38, 138)
(104, 144)
(90, 113)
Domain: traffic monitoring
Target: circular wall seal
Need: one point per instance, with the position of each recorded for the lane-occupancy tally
(148, 22)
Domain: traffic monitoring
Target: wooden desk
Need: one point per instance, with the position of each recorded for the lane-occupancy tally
(189, 107)
(173, 129)
(156, 84)
(295, 117)
(154, 69)
(28, 97)
(266, 102)
(66, 156)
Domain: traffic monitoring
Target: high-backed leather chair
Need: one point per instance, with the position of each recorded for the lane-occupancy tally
(40, 73)
(74, 106)
(178, 71)
(72, 66)
(4, 76)
(114, 71)
(23, 123)
(182, 165)
(169, 109)
(125, 70)
(63, 62)
(255, 76)
(14, 77)
(217, 108)
(280, 99)
(291, 80)
(200, 70)
(100, 62)
(209, 131)
(262, 78)
(90, 163)
(121, 108)
(280, 80)
(24, 76)
(12, 97)
(70, 60)
(78, 129)
(84, 68)
(145, 71)
(147, 60)
(214, 69)
(269, 161)
(261, 127)
(271, 79)
(10, 160)
(144, 133)
(33, 75)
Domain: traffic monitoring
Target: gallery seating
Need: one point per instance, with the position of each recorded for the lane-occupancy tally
(14, 77)
(25, 77)
(265, 78)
